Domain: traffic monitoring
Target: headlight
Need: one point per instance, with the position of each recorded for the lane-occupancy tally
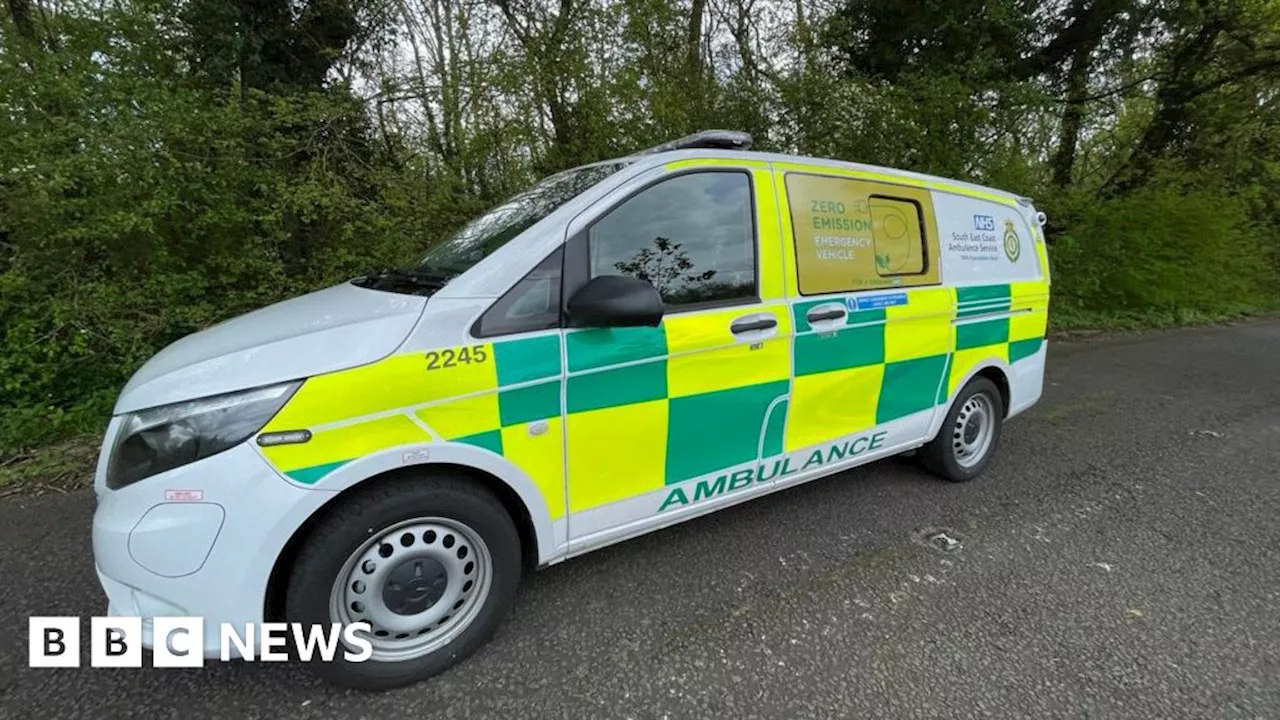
(163, 438)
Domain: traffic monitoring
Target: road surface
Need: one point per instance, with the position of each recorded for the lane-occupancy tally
(1121, 558)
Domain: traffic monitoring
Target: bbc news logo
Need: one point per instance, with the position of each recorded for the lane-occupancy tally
(179, 642)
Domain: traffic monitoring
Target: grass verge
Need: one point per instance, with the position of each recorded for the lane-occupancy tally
(60, 467)
(1067, 323)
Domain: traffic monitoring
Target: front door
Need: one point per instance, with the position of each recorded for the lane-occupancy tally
(659, 420)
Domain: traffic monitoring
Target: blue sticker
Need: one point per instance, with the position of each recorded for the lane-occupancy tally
(984, 222)
(876, 302)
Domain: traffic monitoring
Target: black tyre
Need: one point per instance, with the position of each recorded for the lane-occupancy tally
(432, 563)
(970, 434)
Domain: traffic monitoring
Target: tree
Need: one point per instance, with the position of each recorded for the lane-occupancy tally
(1216, 44)
(267, 44)
(666, 266)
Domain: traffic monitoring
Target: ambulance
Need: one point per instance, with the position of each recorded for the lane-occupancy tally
(624, 346)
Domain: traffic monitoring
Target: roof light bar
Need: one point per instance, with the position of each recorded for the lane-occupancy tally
(718, 139)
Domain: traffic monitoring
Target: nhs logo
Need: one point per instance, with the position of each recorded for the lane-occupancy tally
(984, 222)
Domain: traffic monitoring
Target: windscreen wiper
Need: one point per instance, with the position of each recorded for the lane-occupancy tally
(391, 278)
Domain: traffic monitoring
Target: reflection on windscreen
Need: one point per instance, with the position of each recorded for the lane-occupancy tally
(485, 234)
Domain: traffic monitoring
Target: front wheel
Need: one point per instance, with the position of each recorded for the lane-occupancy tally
(969, 435)
(432, 566)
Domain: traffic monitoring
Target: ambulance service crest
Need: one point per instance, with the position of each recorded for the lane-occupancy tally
(1012, 243)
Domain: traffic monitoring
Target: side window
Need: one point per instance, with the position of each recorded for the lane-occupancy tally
(897, 236)
(532, 304)
(692, 236)
(855, 235)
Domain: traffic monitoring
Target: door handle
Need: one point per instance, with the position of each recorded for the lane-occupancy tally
(816, 315)
(747, 325)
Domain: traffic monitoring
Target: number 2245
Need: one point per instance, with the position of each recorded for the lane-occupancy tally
(450, 357)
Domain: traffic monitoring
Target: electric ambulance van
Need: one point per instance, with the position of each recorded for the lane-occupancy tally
(624, 346)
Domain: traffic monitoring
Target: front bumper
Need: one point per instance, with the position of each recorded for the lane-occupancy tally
(197, 541)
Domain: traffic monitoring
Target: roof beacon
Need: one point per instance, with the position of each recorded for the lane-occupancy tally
(718, 139)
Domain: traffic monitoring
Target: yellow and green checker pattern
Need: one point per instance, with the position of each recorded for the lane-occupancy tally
(997, 321)
(883, 364)
(488, 400)
(627, 411)
(648, 407)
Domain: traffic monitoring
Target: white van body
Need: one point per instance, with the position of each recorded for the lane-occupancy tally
(589, 435)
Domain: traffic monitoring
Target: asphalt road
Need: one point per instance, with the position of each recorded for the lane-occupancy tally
(1121, 558)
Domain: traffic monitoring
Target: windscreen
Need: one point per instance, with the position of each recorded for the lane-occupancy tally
(490, 231)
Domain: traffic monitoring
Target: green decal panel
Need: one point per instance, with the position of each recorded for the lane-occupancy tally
(774, 432)
(589, 349)
(852, 347)
(978, 334)
(491, 440)
(1020, 349)
(982, 300)
(619, 386)
(526, 404)
(528, 359)
(909, 386)
(984, 309)
(983, 294)
(311, 475)
(862, 317)
(714, 430)
(942, 385)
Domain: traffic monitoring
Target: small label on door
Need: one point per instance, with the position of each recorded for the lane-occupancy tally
(876, 302)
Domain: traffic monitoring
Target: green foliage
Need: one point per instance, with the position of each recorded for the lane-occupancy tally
(166, 166)
(887, 39)
(1169, 247)
(138, 208)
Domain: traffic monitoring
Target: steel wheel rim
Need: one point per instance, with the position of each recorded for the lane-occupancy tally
(419, 584)
(974, 430)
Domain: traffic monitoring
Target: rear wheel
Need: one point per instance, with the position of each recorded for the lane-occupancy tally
(970, 434)
(432, 565)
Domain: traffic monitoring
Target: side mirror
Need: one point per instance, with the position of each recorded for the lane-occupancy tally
(615, 301)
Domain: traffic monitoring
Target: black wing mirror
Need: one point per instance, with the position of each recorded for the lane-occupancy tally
(615, 301)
